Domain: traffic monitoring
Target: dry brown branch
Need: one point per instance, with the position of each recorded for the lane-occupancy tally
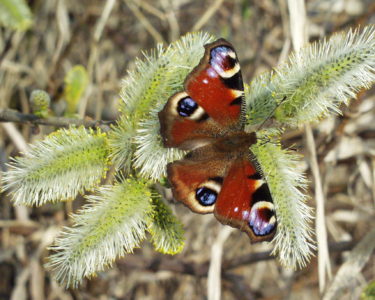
(10, 115)
(7, 46)
(179, 265)
(152, 10)
(170, 15)
(207, 15)
(141, 17)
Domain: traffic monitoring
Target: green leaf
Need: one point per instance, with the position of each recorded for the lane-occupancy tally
(112, 224)
(167, 232)
(76, 81)
(15, 14)
(64, 164)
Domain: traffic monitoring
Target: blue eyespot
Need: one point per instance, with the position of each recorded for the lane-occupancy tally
(261, 228)
(221, 60)
(220, 51)
(186, 107)
(206, 196)
(262, 221)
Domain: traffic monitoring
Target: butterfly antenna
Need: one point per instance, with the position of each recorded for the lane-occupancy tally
(271, 113)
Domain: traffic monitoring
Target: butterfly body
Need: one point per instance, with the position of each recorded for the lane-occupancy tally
(219, 175)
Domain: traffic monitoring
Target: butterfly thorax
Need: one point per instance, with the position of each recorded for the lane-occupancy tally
(235, 142)
(229, 147)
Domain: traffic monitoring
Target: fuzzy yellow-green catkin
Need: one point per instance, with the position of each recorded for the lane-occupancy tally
(314, 82)
(167, 232)
(40, 102)
(65, 163)
(111, 224)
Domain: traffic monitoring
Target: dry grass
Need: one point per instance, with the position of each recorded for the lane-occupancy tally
(106, 36)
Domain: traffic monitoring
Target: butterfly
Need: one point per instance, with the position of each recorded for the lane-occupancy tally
(219, 174)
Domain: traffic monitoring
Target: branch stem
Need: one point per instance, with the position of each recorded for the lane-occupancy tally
(201, 269)
(10, 115)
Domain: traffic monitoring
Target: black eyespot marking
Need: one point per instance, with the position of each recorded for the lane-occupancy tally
(222, 59)
(235, 82)
(255, 176)
(203, 118)
(189, 155)
(221, 55)
(262, 194)
(186, 107)
(205, 196)
(237, 101)
(217, 179)
(229, 62)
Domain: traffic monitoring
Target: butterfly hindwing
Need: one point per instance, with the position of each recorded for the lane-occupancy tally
(245, 201)
(197, 184)
(197, 179)
(213, 87)
(235, 192)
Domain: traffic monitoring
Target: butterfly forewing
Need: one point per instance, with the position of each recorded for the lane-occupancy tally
(216, 84)
(213, 87)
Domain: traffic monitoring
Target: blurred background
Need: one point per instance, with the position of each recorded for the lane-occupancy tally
(105, 37)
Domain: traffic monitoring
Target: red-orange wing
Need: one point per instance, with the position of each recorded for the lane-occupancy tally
(196, 180)
(207, 181)
(211, 104)
(245, 202)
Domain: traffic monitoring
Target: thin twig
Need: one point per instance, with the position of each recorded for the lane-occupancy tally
(55, 65)
(108, 7)
(10, 115)
(239, 286)
(214, 271)
(16, 137)
(207, 15)
(152, 10)
(93, 57)
(64, 37)
(7, 46)
(321, 232)
(172, 20)
(201, 269)
(349, 272)
(147, 25)
(21, 212)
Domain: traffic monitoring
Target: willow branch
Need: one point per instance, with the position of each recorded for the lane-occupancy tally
(10, 115)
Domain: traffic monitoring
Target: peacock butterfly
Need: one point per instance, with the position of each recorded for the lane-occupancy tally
(219, 174)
